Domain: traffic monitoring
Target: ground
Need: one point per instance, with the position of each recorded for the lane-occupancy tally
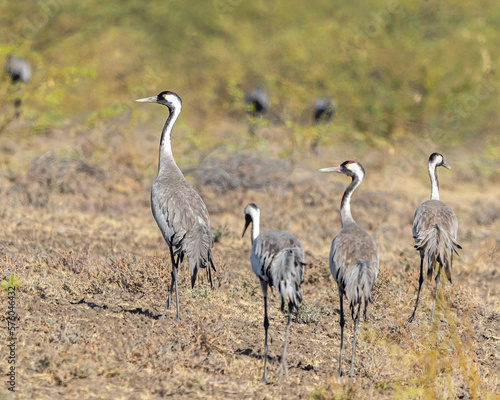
(78, 233)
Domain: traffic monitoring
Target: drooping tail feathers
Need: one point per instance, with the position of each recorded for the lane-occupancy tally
(197, 246)
(358, 283)
(287, 273)
(437, 246)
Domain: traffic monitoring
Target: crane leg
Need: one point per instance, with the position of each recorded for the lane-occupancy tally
(420, 281)
(174, 282)
(356, 322)
(167, 305)
(266, 327)
(210, 264)
(178, 318)
(283, 357)
(435, 292)
(342, 323)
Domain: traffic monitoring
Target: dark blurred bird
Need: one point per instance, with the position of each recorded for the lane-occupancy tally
(324, 109)
(277, 258)
(256, 103)
(18, 69)
(435, 227)
(178, 209)
(354, 258)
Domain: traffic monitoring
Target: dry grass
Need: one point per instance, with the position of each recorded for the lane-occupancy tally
(79, 235)
(76, 169)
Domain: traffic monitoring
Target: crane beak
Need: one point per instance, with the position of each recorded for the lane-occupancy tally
(148, 100)
(248, 219)
(331, 169)
(445, 165)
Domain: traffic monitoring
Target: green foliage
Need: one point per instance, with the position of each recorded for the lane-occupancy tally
(307, 314)
(219, 232)
(11, 283)
(250, 287)
(199, 293)
(394, 67)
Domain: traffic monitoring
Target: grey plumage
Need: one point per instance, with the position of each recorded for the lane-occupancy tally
(18, 69)
(257, 101)
(177, 208)
(277, 259)
(354, 258)
(435, 227)
(324, 109)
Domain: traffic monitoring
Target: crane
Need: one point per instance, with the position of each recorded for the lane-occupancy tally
(277, 259)
(178, 209)
(435, 227)
(354, 258)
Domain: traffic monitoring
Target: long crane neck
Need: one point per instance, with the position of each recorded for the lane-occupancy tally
(165, 142)
(434, 181)
(345, 205)
(255, 226)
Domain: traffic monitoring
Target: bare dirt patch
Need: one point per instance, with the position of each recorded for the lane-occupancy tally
(94, 277)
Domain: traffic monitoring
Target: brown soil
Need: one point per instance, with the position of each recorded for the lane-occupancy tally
(95, 272)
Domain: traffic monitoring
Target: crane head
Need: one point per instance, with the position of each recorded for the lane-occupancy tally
(166, 98)
(438, 160)
(349, 168)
